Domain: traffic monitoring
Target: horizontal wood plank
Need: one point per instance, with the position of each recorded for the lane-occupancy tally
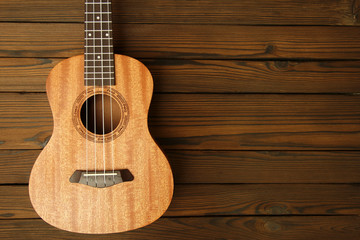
(262, 228)
(226, 166)
(219, 122)
(246, 12)
(264, 166)
(211, 76)
(187, 41)
(228, 200)
(25, 74)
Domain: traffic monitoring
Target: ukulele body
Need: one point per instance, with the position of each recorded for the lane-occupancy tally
(82, 208)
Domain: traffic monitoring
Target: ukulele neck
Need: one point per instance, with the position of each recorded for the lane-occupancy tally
(98, 52)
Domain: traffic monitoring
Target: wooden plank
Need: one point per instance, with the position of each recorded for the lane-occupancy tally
(25, 74)
(15, 203)
(226, 166)
(211, 76)
(264, 166)
(15, 165)
(212, 121)
(262, 228)
(292, 12)
(187, 41)
(227, 200)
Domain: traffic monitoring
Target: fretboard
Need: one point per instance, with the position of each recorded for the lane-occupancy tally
(99, 53)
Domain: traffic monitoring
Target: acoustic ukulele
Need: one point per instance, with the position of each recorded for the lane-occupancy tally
(101, 171)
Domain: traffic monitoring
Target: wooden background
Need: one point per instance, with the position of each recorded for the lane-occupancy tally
(256, 105)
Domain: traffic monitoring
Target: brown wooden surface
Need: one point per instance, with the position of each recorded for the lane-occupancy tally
(222, 122)
(187, 41)
(288, 146)
(210, 76)
(276, 12)
(274, 228)
(228, 200)
(224, 166)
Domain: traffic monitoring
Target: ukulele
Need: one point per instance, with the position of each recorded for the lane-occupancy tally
(101, 171)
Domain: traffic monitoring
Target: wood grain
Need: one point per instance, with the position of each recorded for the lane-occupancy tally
(261, 228)
(276, 12)
(264, 166)
(225, 166)
(84, 209)
(208, 121)
(187, 41)
(204, 47)
(25, 74)
(209, 76)
(228, 200)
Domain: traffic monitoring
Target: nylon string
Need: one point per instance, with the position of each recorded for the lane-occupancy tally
(111, 113)
(102, 88)
(94, 78)
(87, 104)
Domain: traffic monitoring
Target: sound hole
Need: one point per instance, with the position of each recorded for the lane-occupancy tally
(96, 114)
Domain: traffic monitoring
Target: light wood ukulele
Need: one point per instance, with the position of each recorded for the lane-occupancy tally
(101, 171)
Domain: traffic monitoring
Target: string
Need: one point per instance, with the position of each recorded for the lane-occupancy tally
(94, 78)
(86, 93)
(111, 71)
(102, 86)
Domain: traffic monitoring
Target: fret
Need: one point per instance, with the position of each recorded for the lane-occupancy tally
(104, 54)
(88, 31)
(97, 12)
(98, 30)
(99, 69)
(98, 56)
(104, 43)
(106, 68)
(98, 46)
(97, 78)
(89, 3)
(98, 26)
(91, 75)
(98, 36)
(99, 41)
(97, 52)
(97, 8)
(99, 66)
(99, 72)
(95, 60)
(91, 54)
(98, 82)
(100, 21)
(97, 18)
(99, 75)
